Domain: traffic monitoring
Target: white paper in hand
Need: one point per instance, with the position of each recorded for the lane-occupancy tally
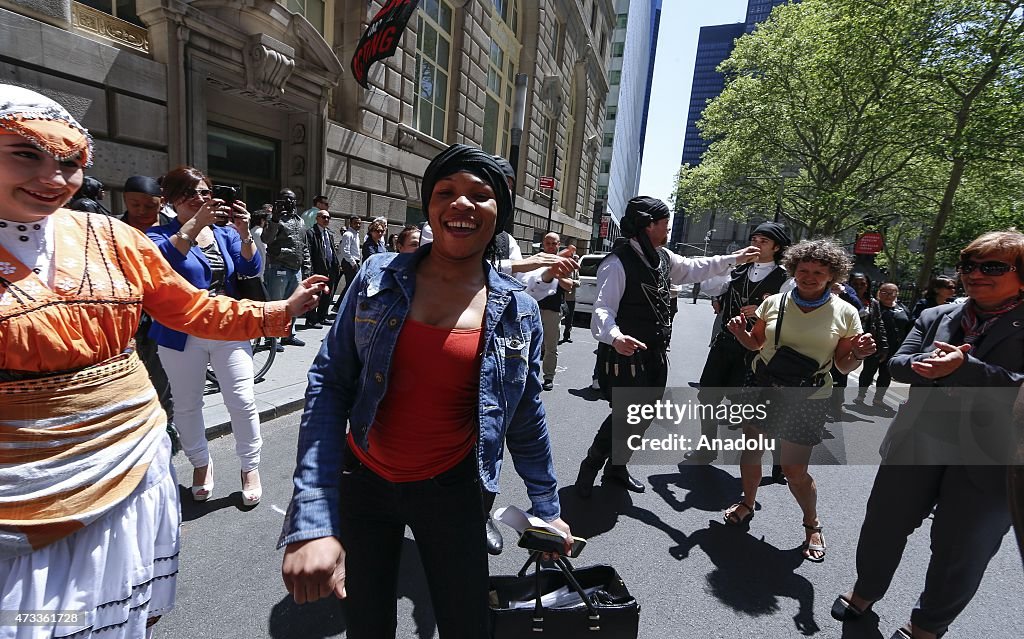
(520, 521)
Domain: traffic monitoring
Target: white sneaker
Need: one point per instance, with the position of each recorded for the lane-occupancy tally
(595, 385)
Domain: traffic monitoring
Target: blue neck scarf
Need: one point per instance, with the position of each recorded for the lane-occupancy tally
(821, 301)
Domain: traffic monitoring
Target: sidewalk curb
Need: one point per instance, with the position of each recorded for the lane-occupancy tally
(224, 428)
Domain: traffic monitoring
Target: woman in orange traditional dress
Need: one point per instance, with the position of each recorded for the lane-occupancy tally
(89, 509)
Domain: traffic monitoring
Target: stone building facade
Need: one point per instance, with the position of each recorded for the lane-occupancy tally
(258, 94)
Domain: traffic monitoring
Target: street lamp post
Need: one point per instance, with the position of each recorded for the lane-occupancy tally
(707, 240)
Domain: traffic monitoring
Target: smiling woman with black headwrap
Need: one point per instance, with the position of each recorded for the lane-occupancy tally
(433, 367)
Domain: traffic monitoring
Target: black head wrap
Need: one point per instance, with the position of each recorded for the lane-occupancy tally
(776, 233)
(506, 168)
(142, 184)
(641, 212)
(459, 157)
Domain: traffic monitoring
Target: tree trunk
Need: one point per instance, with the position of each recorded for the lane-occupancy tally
(945, 209)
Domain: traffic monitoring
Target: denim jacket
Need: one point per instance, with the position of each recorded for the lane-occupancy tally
(350, 376)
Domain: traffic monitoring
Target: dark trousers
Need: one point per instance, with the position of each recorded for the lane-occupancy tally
(570, 311)
(727, 366)
(870, 367)
(445, 515)
(147, 351)
(647, 369)
(349, 271)
(319, 314)
(968, 527)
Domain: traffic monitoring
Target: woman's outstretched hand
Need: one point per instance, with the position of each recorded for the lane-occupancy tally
(307, 295)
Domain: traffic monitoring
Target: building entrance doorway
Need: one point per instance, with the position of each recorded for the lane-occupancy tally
(247, 162)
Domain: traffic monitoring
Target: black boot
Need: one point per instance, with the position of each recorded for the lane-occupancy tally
(588, 473)
(621, 475)
(495, 543)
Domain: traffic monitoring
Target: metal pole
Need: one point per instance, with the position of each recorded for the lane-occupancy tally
(551, 195)
(518, 121)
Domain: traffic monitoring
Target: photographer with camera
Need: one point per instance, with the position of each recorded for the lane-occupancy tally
(288, 258)
(207, 252)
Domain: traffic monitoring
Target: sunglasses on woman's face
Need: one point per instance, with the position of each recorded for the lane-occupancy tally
(986, 268)
(191, 193)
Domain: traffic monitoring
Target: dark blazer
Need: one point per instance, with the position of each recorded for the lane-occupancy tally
(316, 252)
(194, 268)
(964, 417)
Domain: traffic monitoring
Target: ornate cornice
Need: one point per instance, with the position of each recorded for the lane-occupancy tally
(266, 68)
(86, 19)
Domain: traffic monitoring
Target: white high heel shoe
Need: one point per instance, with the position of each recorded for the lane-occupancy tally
(251, 496)
(202, 492)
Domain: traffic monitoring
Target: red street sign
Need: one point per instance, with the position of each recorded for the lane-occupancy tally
(868, 244)
(547, 183)
(605, 222)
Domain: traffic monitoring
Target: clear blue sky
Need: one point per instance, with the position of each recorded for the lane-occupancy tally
(681, 21)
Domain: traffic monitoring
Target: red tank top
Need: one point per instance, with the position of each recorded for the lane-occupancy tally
(427, 421)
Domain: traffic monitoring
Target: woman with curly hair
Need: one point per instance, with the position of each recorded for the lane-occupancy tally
(822, 330)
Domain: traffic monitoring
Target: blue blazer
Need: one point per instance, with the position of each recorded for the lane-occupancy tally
(194, 268)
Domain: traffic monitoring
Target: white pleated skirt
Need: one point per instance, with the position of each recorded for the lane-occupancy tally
(113, 575)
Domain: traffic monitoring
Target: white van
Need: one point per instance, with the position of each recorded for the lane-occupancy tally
(586, 294)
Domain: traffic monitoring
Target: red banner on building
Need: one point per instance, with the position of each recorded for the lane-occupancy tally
(868, 244)
(381, 37)
(606, 221)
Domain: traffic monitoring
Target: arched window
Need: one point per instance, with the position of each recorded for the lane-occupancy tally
(433, 63)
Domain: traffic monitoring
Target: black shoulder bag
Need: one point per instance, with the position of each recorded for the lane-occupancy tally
(788, 367)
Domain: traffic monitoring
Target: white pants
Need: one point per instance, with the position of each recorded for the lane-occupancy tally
(186, 371)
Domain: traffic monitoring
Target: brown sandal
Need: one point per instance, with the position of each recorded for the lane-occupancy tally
(733, 519)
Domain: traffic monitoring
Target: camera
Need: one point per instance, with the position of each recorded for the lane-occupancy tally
(227, 193)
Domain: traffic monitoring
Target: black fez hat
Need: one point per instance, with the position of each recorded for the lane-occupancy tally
(459, 157)
(641, 212)
(774, 232)
(142, 184)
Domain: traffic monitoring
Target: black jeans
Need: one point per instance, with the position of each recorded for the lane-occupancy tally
(870, 367)
(349, 271)
(570, 312)
(445, 515)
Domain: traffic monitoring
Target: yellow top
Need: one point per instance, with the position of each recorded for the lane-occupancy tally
(814, 334)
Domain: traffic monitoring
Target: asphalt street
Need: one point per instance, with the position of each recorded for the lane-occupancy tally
(693, 576)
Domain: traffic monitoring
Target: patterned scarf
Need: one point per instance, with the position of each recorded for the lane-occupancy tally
(976, 324)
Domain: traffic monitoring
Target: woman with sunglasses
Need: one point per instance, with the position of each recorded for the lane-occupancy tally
(374, 242)
(200, 246)
(90, 513)
(931, 452)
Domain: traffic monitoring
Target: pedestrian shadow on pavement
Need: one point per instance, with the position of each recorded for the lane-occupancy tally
(587, 393)
(326, 617)
(706, 487)
(192, 509)
(751, 575)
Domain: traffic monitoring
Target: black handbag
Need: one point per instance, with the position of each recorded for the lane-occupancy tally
(604, 607)
(251, 288)
(789, 367)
